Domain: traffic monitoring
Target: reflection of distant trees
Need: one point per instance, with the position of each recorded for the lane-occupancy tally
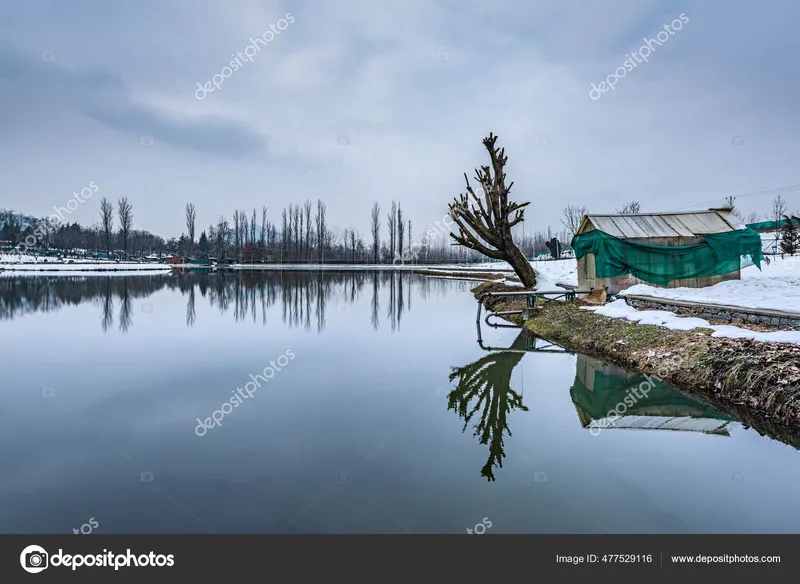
(304, 297)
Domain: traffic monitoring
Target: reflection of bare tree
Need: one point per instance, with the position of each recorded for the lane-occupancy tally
(125, 310)
(400, 299)
(375, 301)
(484, 387)
(191, 312)
(392, 311)
(108, 307)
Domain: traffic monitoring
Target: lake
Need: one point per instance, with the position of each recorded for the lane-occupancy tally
(345, 402)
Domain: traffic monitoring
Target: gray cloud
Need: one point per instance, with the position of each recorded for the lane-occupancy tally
(369, 71)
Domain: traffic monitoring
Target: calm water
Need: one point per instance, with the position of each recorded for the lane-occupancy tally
(382, 414)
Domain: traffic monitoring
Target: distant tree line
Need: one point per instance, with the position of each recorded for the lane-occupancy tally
(300, 235)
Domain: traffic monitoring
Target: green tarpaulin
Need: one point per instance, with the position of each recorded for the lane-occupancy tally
(720, 253)
(772, 225)
(612, 390)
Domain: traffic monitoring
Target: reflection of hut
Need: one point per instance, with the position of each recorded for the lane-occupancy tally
(691, 250)
(600, 389)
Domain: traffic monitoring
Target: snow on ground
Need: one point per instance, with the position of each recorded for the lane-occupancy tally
(663, 318)
(13, 258)
(556, 272)
(775, 287)
(84, 267)
(79, 273)
(549, 274)
(18, 264)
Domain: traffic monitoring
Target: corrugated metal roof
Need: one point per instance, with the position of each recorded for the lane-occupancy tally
(643, 225)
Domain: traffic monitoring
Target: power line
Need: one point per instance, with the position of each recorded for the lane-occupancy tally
(744, 196)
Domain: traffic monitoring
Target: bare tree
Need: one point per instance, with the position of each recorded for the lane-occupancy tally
(409, 243)
(262, 240)
(753, 217)
(307, 215)
(322, 228)
(487, 229)
(285, 233)
(572, 217)
(401, 227)
(223, 233)
(191, 217)
(125, 216)
(392, 223)
(253, 227)
(779, 209)
(375, 228)
(107, 221)
(298, 231)
(629, 208)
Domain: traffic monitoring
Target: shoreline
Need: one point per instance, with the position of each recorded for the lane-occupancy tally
(757, 382)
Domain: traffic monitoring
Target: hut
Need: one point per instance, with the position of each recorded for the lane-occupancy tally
(689, 249)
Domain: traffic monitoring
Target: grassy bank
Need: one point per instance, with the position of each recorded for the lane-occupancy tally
(758, 383)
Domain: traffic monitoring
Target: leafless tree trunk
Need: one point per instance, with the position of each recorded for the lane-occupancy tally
(125, 215)
(285, 234)
(392, 222)
(262, 240)
(573, 215)
(237, 232)
(253, 227)
(191, 217)
(375, 228)
(487, 229)
(322, 228)
(409, 249)
(307, 215)
(107, 221)
(298, 231)
(401, 227)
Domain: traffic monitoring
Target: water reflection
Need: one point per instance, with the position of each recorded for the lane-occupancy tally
(305, 298)
(609, 397)
(605, 397)
(484, 388)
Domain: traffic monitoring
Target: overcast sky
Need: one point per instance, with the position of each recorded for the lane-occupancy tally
(364, 100)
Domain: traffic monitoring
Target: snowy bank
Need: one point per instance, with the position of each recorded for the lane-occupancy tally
(775, 287)
(669, 320)
(52, 268)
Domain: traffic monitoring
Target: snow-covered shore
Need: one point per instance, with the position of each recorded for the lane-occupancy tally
(21, 264)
